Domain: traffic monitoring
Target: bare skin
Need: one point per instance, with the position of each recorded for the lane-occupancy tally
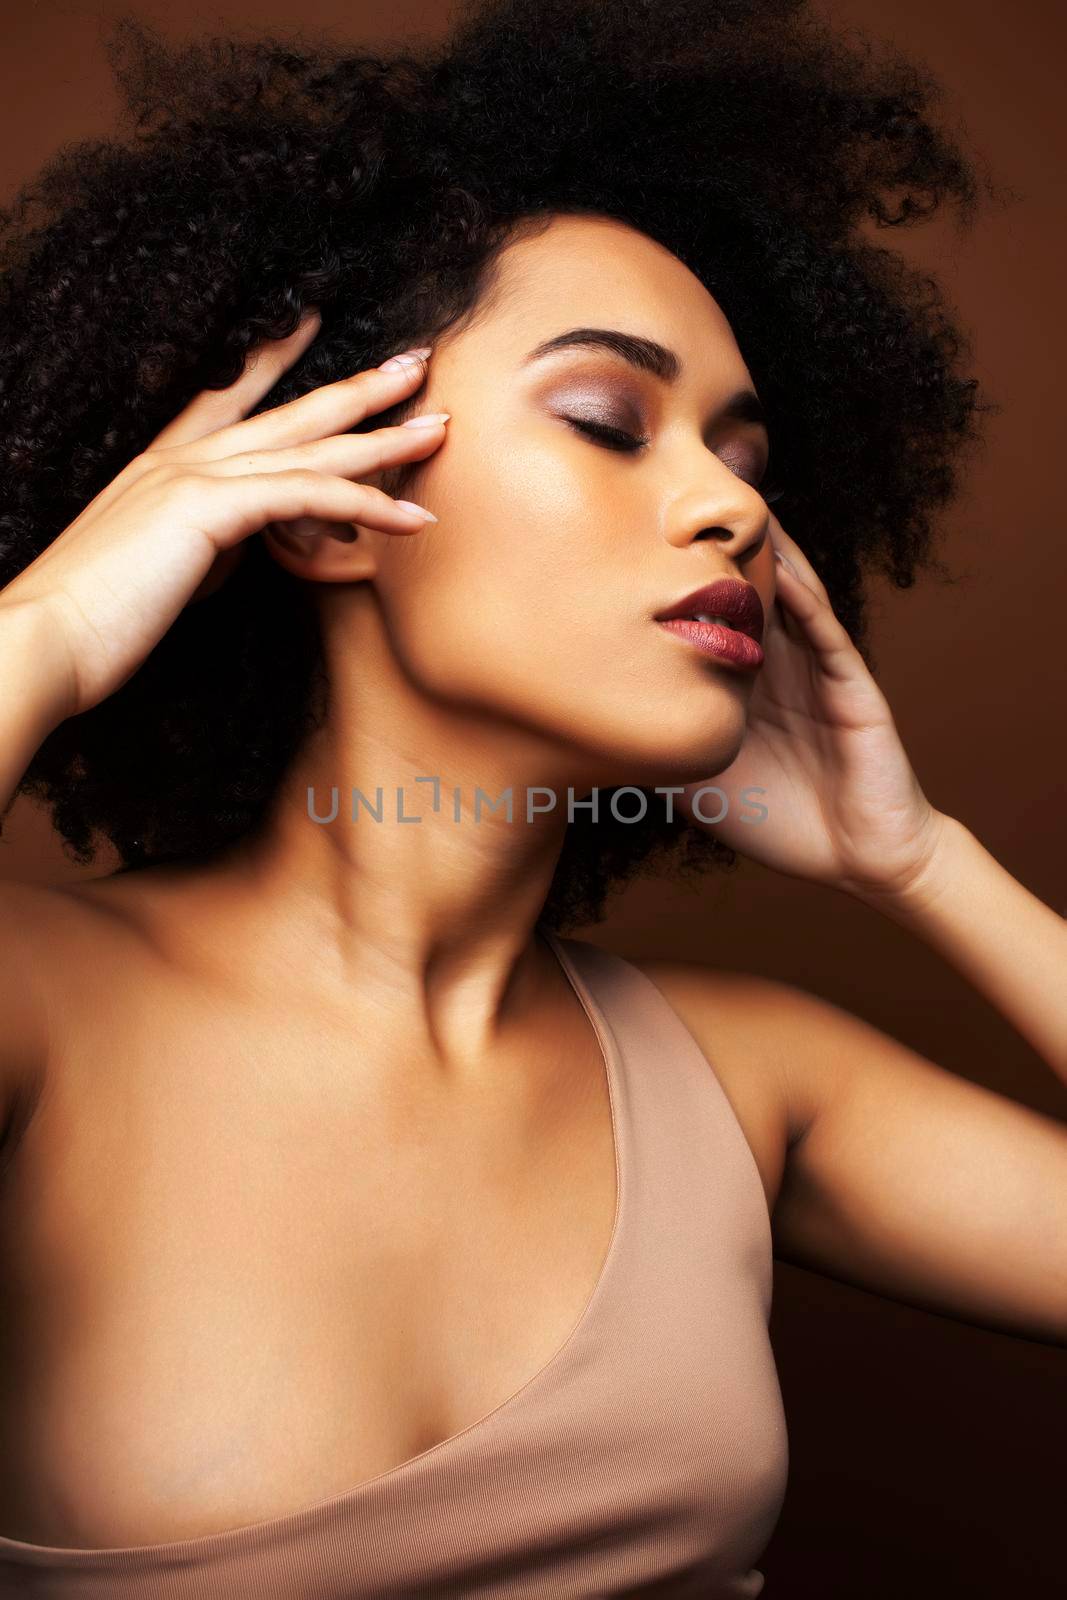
(258, 1104)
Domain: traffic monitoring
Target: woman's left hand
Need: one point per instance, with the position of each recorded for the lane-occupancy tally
(844, 807)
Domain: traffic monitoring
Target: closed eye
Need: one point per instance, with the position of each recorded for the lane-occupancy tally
(618, 439)
(613, 438)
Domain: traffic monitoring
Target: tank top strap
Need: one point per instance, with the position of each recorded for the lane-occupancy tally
(683, 1154)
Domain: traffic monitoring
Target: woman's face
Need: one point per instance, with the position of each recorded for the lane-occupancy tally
(533, 596)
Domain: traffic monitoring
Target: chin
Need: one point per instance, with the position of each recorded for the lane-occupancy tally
(690, 758)
(692, 747)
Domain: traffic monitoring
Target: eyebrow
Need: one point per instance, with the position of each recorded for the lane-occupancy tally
(648, 355)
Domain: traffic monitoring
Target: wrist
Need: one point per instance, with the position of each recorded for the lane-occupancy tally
(914, 895)
(34, 666)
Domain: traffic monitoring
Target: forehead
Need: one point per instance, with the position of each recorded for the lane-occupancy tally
(596, 271)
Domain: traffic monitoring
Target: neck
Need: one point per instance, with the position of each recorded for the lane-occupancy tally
(405, 895)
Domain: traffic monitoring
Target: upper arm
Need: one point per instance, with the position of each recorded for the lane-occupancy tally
(897, 1175)
(912, 1181)
(23, 1009)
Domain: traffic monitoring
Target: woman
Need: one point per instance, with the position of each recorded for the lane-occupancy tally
(363, 1234)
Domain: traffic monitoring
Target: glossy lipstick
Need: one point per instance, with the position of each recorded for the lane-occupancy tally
(736, 638)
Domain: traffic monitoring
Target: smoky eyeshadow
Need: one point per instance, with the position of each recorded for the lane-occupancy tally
(603, 406)
(611, 407)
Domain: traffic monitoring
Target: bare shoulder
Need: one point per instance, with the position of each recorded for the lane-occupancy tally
(26, 912)
(747, 1027)
(48, 933)
(31, 915)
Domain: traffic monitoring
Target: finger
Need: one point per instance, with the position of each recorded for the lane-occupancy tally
(820, 628)
(264, 364)
(226, 508)
(346, 455)
(784, 622)
(788, 546)
(329, 409)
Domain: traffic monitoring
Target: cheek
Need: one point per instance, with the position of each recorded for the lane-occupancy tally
(530, 600)
(520, 556)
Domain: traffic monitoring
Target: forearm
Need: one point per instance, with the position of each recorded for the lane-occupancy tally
(1009, 944)
(31, 693)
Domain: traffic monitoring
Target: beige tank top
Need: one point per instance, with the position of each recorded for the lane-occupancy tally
(648, 1456)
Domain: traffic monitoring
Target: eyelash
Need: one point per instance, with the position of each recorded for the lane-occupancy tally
(614, 438)
(629, 444)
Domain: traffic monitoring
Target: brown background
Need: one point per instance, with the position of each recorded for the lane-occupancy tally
(926, 1455)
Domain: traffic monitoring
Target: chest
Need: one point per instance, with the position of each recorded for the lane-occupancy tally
(247, 1269)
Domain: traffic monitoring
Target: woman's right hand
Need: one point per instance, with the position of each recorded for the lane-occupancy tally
(109, 586)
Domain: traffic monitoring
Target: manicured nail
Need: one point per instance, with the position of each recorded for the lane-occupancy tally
(409, 505)
(405, 360)
(428, 419)
(778, 556)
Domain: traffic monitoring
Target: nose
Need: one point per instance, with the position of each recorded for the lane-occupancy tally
(724, 508)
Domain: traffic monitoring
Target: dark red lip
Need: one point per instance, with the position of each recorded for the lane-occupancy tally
(738, 602)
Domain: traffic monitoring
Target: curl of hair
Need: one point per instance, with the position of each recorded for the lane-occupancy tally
(256, 176)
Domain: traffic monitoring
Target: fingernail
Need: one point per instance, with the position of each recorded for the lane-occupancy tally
(406, 359)
(778, 556)
(409, 505)
(428, 419)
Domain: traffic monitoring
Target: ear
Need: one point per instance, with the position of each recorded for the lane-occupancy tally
(324, 552)
(306, 547)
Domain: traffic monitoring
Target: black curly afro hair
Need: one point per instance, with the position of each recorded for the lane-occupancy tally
(257, 176)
